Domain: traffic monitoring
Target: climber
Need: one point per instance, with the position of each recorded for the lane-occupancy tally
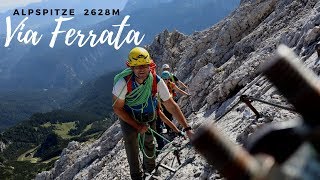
(173, 78)
(159, 127)
(162, 118)
(135, 102)
(166, 76)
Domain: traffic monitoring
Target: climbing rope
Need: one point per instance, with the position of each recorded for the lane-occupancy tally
(138, 96)
(141, 138)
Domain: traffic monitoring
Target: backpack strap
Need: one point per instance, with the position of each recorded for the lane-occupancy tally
(154, 89)
(153, 67)
(172, 79)
(129, 83)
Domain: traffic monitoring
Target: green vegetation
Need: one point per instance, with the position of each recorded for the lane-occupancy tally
(19, 105)
(28, 156)
(62, 129)
(51, 147)
(87, 128)
(23, 169)
(47, 125)
(37, 143)
(93, 99)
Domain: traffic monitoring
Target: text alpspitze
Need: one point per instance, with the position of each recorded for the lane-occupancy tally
(44, 12)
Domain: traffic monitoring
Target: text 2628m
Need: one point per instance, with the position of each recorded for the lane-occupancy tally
(101, 12)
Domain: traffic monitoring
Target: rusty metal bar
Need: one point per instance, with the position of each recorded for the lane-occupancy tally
(296, 82)
(299, 85)
(247, 101)
(228, 158)
(168, 168)
(176, 153)
(272, 104)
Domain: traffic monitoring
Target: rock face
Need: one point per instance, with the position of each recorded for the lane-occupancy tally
(218, 64)
(2, 146)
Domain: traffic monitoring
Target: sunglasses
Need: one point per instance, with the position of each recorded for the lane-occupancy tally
(141, 67)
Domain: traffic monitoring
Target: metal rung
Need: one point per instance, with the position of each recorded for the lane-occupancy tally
(151, 176)
(167, 167)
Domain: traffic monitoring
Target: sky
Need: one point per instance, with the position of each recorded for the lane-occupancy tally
(9, 4)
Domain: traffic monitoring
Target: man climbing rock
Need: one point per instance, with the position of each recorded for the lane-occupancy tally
(173, 78)
(169, 79)
(135, 102)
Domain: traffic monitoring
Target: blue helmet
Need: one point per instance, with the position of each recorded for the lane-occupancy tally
(165, 75)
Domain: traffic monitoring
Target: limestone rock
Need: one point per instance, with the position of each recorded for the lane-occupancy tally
(218, 64)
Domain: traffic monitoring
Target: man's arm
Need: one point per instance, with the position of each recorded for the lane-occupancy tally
(164, 118)
(175, 79)
(174, 109)
(180, 90)
(124, 116)
(182, 84)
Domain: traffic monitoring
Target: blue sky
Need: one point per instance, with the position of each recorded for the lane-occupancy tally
(9, 4)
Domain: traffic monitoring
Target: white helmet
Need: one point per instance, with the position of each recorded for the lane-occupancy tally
(165, 66)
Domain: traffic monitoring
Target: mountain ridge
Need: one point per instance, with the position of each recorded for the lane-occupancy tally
(219, 64)
(66, 69)
(89, 63)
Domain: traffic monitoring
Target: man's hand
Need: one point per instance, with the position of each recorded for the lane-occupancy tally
(181, 134)
(142, 128)
(190, 134)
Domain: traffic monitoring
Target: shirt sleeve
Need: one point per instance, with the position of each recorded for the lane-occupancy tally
(120, 87)
(163, 90)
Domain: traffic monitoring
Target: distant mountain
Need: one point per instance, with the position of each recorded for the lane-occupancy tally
(14, 56)
(41, 21)
(69, 67)
(66, 68)
(220, 65)
(18, 105)
(94, 97)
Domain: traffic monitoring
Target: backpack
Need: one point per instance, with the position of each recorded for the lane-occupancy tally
(172, 79)
(170, 86)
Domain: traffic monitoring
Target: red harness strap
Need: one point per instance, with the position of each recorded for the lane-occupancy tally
(154, 89)
(129, 83)
(154, 84)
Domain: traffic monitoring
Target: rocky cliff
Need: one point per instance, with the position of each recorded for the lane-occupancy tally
(218, 64)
